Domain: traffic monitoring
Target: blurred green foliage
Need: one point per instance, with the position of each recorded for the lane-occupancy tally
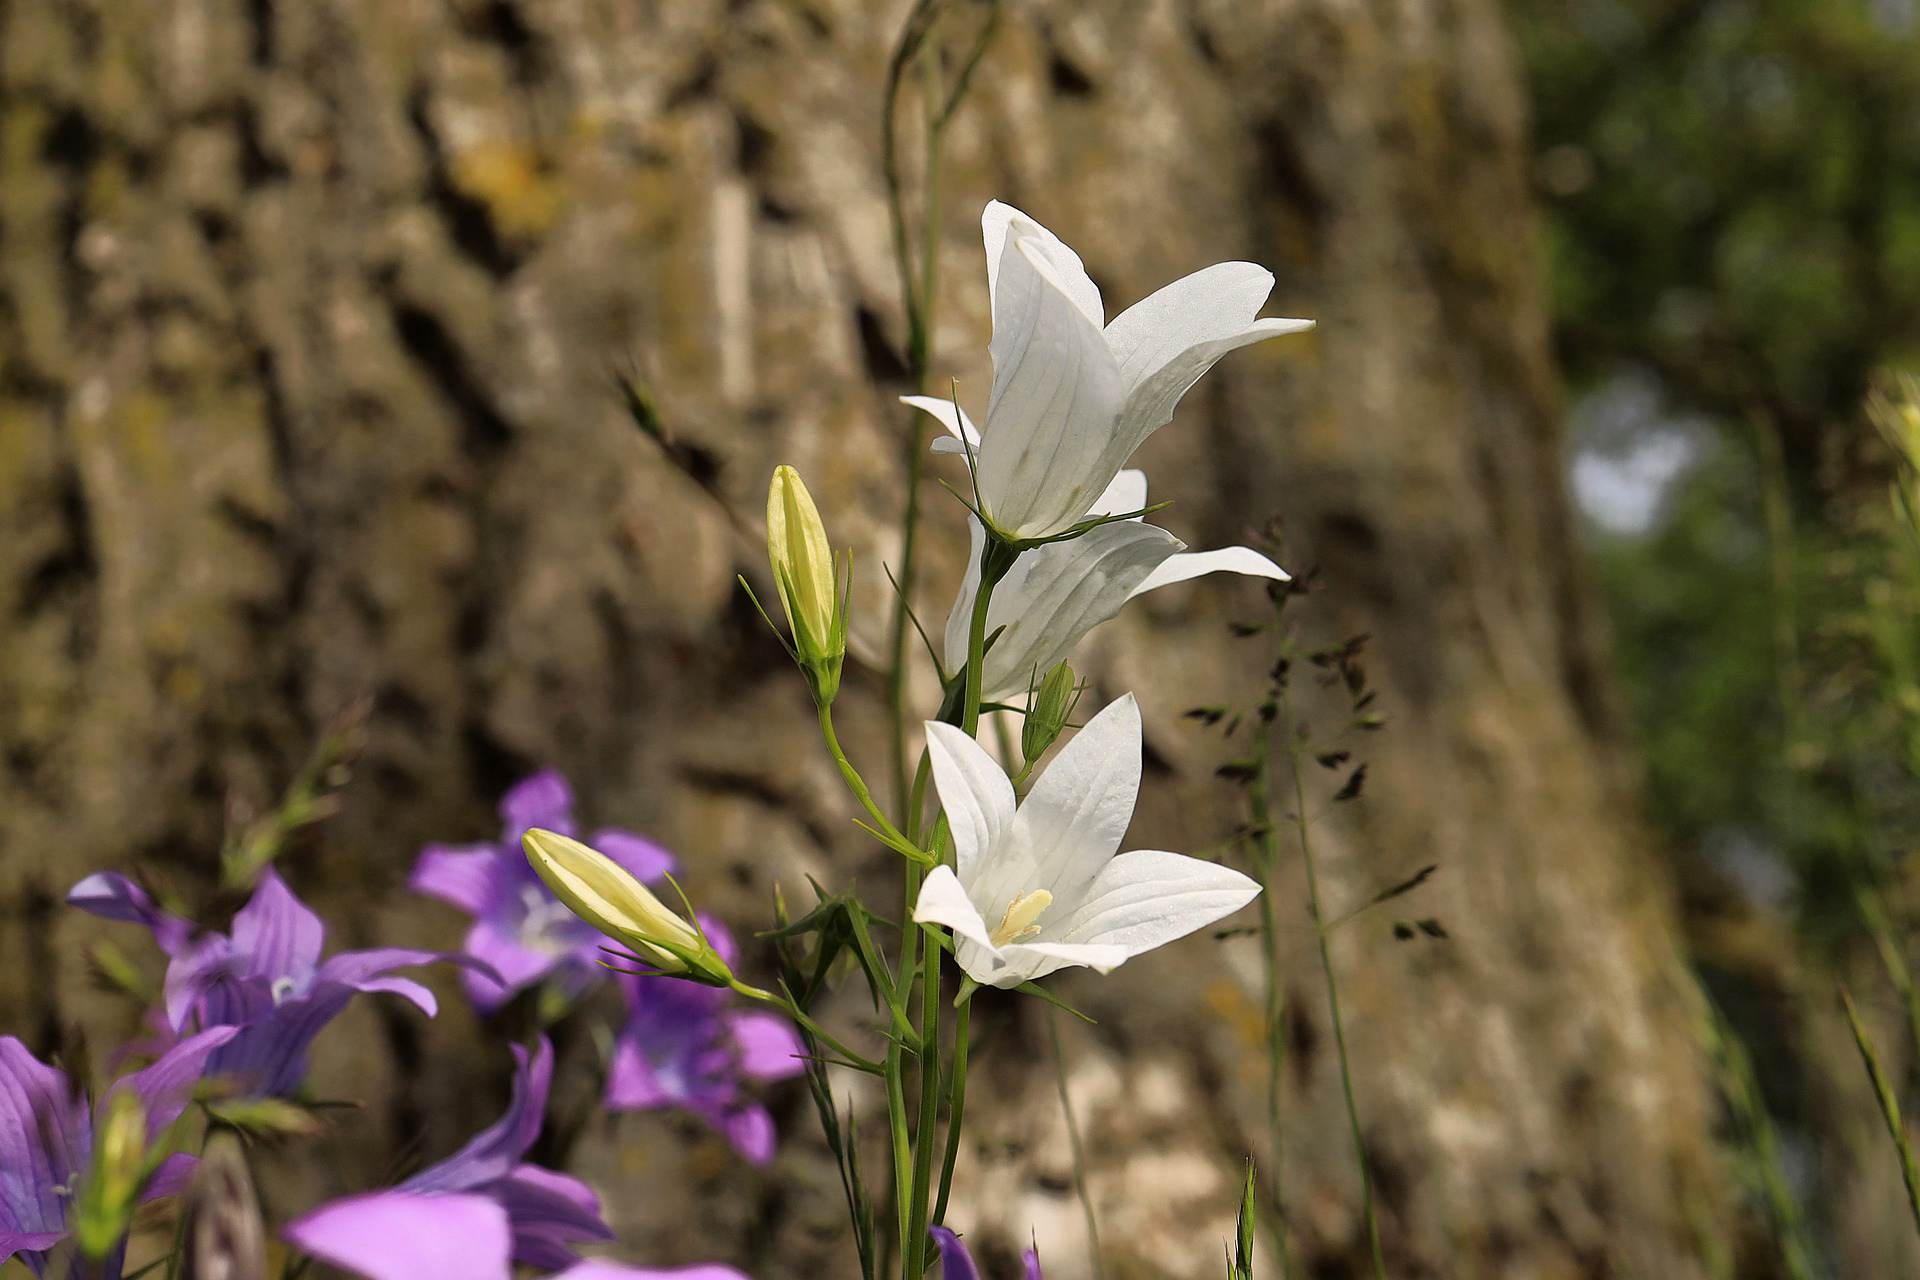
(1731, 196)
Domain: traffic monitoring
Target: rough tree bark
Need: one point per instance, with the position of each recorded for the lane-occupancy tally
(306, 312)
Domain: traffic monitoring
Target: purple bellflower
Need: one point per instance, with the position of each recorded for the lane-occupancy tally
(266, 977)
(519, 928)
(46, 1138)
(478, 1211)
(685, 1045)
(957, 1264)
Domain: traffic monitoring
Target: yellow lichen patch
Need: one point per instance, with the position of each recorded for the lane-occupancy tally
(523, 197)
(1229, 1003)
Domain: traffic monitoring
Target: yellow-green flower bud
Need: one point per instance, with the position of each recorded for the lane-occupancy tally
(1047, 715)
(608, 897)
(804, 572)
(114, 1178)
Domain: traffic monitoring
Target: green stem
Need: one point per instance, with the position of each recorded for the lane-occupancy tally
(925, 1134)
(919, 307)
(883, 826)
(1889, 1107)
(995, 560)
(1073, 1141)
(1267, 858)
(1333, 986)
(956, 1107)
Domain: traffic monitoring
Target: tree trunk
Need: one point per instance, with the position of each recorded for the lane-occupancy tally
(307, 312)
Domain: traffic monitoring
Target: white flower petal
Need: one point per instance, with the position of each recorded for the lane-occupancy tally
(1151, 400)
(959, 426)
(1052, 597)
(943, 901)
(975, 792)
(1147, 898)
(1073, 819)
(1215, 303)
(1047, 450)
(1025, 961)
(999, 219)
(1195, 564)
(960, 617)
(1127, 493)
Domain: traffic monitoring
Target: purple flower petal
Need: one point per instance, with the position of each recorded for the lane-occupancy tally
(461, 875)
(750, 1129)
(276, 935)
(195, 968)
(549, 1212)
(955, 1262)
(769, 1047)
(642, 858)
(543, 800)
(28, 1244)
(1032, 1260)
(632, 1083)
(268, 1058)
(495, 1151)
(600, 1269)
(406, 988)
(166, 1087)
(43, 1142)
(172, 1177)
(114, 897)
(395, 1235)
(514, 964)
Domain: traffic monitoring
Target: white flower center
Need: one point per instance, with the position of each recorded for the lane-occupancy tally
(1018, 922)
(284, 988)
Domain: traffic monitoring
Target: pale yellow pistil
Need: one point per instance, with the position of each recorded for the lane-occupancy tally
(1018, 922)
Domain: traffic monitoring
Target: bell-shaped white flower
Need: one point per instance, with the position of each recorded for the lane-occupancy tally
(1074, 396)
(1057, 592)
(1038, 886)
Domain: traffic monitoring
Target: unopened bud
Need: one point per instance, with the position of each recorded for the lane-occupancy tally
(223, 1236)
(608, 897)
(1047, 716)
(804, 571)
(118, 1171)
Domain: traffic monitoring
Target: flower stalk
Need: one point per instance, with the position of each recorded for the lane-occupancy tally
(1322, 934)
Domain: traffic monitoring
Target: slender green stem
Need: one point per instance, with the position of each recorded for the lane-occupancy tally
(919, 307)
(994, 563)
(1267, 862)
(926, 1132)
(883, 826)
(1073, 1141)
(1333, 986)
(956, 1106)
(1889, 1107)
(902, 1143)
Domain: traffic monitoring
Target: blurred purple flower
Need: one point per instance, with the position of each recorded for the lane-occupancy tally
(400, 1235)
(265, 978)
(685, 1045)
(957, 1264)
(473, 1214)
(46, 1138)
(520, 929)
(546, 1211)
